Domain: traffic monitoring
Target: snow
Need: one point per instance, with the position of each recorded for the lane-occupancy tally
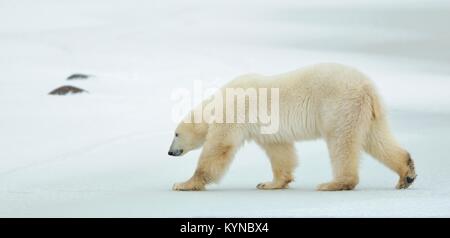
(104, 153)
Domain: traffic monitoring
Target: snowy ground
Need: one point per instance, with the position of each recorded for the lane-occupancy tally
(104, 154)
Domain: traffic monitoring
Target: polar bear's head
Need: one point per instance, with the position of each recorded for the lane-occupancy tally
(188, 136)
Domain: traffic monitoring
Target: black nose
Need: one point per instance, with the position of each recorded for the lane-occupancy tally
(175, 152)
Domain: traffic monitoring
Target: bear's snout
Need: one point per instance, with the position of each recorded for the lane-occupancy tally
(175, 152)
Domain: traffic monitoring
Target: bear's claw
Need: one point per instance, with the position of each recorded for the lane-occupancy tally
(271, 185)
(187, 187)
(408, 179)
(405, 182)
(336, 186)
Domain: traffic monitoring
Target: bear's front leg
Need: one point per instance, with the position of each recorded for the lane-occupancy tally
(344, 151)
(213, 162)
(283, 161)
(196, 183)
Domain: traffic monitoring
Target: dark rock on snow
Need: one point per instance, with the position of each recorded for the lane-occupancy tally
(63, 90)
(78, 76)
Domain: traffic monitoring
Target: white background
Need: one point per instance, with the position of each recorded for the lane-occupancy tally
(104, 153)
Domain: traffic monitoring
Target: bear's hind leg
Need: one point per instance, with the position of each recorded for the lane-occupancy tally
(382, 146)
(344, 152)
(283, 160)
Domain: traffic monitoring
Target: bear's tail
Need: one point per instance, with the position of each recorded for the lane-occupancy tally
(374, 100)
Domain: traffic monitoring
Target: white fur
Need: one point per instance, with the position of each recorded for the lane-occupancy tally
(330, 101)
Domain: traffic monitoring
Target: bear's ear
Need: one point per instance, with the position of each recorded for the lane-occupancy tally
(210, 120)
(201, 129)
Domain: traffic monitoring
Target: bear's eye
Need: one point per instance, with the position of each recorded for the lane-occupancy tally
(176, 134)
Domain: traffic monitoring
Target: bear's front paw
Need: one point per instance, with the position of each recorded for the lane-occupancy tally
(187, 186)
(271, 185)
(336, 186)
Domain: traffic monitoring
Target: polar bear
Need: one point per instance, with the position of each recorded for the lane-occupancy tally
(328, 100)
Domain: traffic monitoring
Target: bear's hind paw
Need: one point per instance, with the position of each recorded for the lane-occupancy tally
(405, 182)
